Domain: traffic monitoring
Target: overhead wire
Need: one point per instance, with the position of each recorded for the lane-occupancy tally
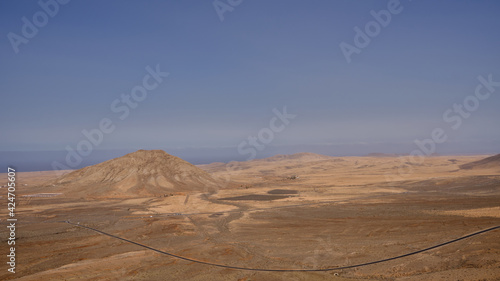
(284, 270)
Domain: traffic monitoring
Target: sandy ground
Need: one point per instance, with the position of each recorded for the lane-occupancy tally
(345, 211)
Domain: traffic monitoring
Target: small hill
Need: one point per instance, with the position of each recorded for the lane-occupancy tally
(144, 172)
(486, 163)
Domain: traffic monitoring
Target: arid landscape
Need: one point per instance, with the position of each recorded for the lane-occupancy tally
(234, 140)
(288, 212)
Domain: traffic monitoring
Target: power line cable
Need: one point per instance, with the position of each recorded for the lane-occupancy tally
(286, 270)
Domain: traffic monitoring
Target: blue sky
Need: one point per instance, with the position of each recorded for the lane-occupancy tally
(227, 76)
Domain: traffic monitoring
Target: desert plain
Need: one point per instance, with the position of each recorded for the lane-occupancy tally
(293, 212)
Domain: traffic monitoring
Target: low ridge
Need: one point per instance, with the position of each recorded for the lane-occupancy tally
(486, 163)
(303, 156)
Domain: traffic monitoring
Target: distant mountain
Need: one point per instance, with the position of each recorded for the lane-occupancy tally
(486, 163)
(144, 172)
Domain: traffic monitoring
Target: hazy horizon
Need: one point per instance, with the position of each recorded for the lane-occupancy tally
(271, 73)
(30, 161)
